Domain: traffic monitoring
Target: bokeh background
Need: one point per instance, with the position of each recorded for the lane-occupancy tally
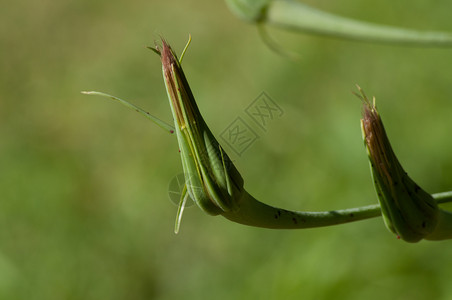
(84, 207)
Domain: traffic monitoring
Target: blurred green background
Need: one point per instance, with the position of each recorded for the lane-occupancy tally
(84, 209)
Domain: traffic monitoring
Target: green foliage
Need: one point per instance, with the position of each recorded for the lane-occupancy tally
(84, 211)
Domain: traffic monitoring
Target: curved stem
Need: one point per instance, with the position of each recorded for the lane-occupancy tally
(162, 124)
(444, 197)
(249, 211)
(299, 17)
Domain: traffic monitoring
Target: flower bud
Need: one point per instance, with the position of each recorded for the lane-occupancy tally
(408, 211)
(211, 178)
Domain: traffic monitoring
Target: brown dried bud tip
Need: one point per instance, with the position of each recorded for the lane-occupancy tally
(167, 55)
(376, 140)
(408, 211)
(175, 81)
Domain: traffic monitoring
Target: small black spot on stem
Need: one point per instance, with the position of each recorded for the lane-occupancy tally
(416, 188)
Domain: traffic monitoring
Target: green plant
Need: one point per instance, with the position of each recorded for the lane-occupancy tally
(216, 186)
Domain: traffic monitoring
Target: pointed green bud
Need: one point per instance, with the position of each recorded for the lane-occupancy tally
(211, 178)
(408, 211)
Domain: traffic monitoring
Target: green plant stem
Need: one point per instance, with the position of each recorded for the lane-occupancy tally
(444, 197)
(296, 16)
(252, 212)
(162, 124)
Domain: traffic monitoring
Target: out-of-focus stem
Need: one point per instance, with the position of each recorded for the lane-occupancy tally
(444, 197)
(297, 16)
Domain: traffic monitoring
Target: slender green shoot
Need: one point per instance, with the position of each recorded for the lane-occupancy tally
(162, 124)
(180, 209)
(274, 46)
(185, 49)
